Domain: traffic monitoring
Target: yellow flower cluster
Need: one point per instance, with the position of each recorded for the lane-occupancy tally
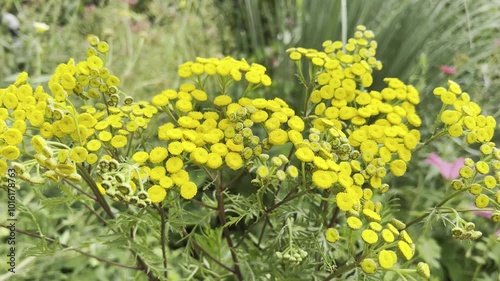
(464, 116)
(341, 110)
(226, 68)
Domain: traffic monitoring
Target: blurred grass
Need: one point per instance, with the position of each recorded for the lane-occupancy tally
(147, 45)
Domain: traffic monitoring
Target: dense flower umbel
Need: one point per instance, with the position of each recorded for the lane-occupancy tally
(344, 143)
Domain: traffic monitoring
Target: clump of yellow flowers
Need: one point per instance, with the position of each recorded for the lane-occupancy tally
(343, 144)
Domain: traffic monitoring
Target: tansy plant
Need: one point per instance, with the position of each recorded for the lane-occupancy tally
(182, 163)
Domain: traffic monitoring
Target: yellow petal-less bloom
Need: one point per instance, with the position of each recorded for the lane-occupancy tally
(482, 167)
(158, 154)
(233, 160)
(38, 143)
(387, 235)
(222, 100)
(92, 158)
(369, 266)
(369, 236)
(93, 145)
(405, 249)
(482, 201)
(174, 164)
(10, 152)
(119, 141)
(387, 259)
(13, 136)
(305, 154)
(398, 167)
(105, 136)
(278, 137)
(188, 190)
(466, 172)
(344, 201)
(214, 161)
(423, 270)
(371, 215)
(140, 157)
(78, 154)
(332, 235)
(455, 130)
(354, 222)
(322, 179)
(157, 193)
(292, 171)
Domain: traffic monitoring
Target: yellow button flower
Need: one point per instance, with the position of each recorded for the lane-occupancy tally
(140, 157)
(323, 179)
(369, 266)
(214, 160)
(387, 235)
(344, 201)
(332, 235)
(158, 154)
(233, 160)
(118, 141)
(387, 259)
(405, 249)
(222, 100)
(78, 154)
(482, 201)
(10, 152)
(305, 154)
(93, 145)
(278, 137)
(157, 193)
(188, 190)
(369, 236)
(354, 222)
(398, 167)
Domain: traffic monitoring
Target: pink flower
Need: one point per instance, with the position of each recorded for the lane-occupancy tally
(484, 214)
(487, 214)
(449, 170)
(448, 70)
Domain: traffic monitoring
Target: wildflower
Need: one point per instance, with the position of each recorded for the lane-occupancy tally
(482, 201)
(156, 193)
(323, 179)
(405, 249)
(78, 154)
(354, 222)
(188, 190)
(369, 266)
(387, 235)
(398, 167)
(278, 137)
(423, 270)
(449, 170)
(332, 235)
(387, 259)
(369, 236)
(233, 160)
(10, 152)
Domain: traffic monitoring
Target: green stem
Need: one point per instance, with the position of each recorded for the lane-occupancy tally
(431, 139)
(227, 234)
(100, 199)
(426, 214)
